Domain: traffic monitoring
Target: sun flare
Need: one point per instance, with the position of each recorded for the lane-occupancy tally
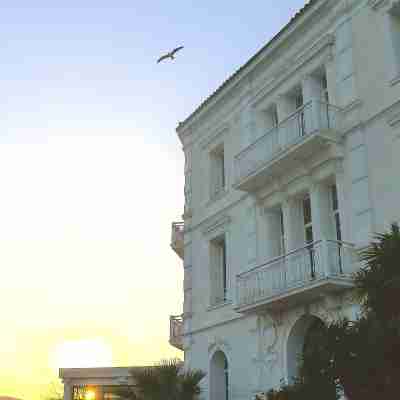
(90, 395)
(85, 353)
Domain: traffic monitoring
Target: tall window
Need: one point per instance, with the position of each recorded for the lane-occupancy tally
(324, 87)
(226, 375)
(274, 116)
(308, 234)
(336, 221)
(299, 102)
(219, 377)
(282, 232)
(308, 230)
(395, 32)
(219, 273)
(217, 158)
(336, 215)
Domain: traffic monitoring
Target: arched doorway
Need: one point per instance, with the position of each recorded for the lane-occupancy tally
(301, 336)
(219, 377)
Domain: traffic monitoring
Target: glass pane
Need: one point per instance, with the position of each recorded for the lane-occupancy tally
(335, 203)
(224, 274)
(309, 234)
(307, 210)
(337, 227)
(222, 167)
(299, 100)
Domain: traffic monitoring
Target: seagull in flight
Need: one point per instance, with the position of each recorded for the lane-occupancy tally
(170, 55)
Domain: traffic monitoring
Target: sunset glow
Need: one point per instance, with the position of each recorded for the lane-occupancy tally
(83, 354)
(92, 173)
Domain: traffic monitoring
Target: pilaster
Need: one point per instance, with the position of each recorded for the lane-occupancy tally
(293, 223)
(341, 193)
(284, 107)
(320, 211)
(67, 390)
(331, 72)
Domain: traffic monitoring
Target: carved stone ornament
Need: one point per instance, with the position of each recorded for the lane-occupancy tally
(218, 343)
(267, 354)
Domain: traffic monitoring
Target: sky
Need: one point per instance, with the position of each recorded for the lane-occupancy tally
(91, 172)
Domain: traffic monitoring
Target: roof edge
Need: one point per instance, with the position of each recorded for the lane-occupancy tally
(240, 72)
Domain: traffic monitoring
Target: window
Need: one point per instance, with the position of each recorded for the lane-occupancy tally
(324, 86)
(336, 221)
(395, 33)
(219, 273)
(274, 116)
(219, 377)
(336, 215)
(282, 232)
(309, 237)
(217, 158)
(299, 102)
(226, 373)
(307, 220)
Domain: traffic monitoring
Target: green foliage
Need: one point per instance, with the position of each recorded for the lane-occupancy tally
(167, 381)
(360, 358)
(378, 282)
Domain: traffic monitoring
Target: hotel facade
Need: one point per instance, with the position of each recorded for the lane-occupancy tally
(290, 167)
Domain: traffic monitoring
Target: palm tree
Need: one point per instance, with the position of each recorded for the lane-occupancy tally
(167, 381)
(362, 357)
(378, 282)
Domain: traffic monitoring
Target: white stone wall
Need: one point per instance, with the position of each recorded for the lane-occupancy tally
(350, 40)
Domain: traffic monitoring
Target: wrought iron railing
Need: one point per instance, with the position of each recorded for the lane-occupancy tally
(315, 116)
(177, 233)
(315, 261)
(176, 331)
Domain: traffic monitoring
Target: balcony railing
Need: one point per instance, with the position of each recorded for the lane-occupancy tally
(314, 117)
(309, 266)
(176, 331)
(177, 237)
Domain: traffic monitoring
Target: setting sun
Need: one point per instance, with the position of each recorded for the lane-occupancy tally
(90, 395)
(82, 354)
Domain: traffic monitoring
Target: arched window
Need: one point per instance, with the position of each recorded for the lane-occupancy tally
(301, 335)
(219, 377)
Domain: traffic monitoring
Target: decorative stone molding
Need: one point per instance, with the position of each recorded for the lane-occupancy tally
(267, 355)
(215, 225)
(292, 64)
(215, 136)
(218, 343)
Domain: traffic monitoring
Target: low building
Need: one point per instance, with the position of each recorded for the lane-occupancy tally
(97, 383)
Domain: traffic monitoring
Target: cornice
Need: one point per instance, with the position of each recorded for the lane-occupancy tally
(216, 224)
(293, 64)
(215, 136)
(242, 73)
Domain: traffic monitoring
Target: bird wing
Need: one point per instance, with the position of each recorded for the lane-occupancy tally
(164, 57)
(177, 49)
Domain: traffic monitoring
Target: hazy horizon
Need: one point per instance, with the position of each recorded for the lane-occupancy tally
(92, 172)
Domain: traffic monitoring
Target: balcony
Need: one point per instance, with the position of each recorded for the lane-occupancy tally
(177, 238)
(297, 277)
(176, 331)
(286, 146)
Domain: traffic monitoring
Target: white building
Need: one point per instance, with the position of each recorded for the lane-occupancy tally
(291, 165)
